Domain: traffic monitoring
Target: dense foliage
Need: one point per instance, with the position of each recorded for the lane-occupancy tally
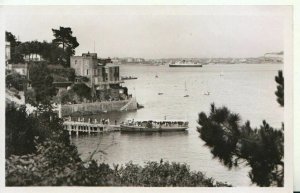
(82, 90)
(23, 131)
(67, 73)
(51, 52)
(41, 81)
(65, 96)
(16, 81)
(20, 131)
(58, 164)
(30, 97)
(280, 88)
(16, 55)
(48, 51)
(63, 36)
(234, 143)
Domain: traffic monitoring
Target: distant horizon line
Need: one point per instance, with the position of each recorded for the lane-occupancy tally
(279, 53)
(170, 58)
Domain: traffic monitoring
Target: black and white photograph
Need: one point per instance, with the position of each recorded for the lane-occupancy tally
(147, 96)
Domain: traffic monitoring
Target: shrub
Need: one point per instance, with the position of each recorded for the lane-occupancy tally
(22, 131)
(30, 96)
(83, 91)
(68, 73)
(59, 164)
(16, 81)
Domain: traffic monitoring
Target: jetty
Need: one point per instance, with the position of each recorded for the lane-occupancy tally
(79, 127)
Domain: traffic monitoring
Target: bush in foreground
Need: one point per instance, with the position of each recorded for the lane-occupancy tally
(58, 164)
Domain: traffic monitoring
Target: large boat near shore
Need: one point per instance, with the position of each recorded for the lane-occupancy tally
(154, 125)
(185, 63)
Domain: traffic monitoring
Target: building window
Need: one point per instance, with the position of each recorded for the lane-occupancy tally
(75, 61)
(87, 72)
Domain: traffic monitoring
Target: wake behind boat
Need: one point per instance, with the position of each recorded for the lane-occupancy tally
(154, 125)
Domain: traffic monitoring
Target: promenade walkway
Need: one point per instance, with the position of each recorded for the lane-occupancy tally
(86, 127)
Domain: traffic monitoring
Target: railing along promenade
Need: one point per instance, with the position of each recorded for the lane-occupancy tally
(78, 127)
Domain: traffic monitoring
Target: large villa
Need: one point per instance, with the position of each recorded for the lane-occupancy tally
(100, 75)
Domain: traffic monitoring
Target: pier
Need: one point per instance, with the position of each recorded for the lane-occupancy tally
(89, 128)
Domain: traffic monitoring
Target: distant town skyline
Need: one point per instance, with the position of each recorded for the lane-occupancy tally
(154, 32)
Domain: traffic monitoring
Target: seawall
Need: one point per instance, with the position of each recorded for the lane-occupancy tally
(106, 106)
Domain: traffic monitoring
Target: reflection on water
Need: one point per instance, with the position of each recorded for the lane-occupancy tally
(156, 134)
(245, 89)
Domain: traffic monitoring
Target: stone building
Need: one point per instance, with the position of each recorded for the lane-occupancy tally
(102, 78)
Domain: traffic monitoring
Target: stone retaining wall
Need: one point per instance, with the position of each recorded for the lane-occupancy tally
(95, 107)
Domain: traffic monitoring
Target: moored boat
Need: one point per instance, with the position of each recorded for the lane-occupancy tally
(154, 126)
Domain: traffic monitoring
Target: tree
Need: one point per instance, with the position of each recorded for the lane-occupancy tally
(9, 37)
(234, 143)
(16, 80)
(82, 91)
(16, 55)
(24, 131)
(280, 88)
(30, 48)
(41, 81)
(24, 49)
(20, 130)
(51, 53)
(63, 36)
(48, 51)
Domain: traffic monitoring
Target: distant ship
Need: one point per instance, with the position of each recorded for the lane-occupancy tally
(185, 64)
(128, 77)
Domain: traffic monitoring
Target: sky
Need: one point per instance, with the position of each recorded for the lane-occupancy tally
(156, 31)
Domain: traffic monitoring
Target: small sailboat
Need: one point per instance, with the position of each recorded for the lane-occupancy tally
(207, 93)
(186, 95)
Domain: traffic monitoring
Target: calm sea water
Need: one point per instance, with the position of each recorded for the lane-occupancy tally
(245, 89)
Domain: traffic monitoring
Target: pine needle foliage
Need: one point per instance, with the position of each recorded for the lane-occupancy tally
(234, 144)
